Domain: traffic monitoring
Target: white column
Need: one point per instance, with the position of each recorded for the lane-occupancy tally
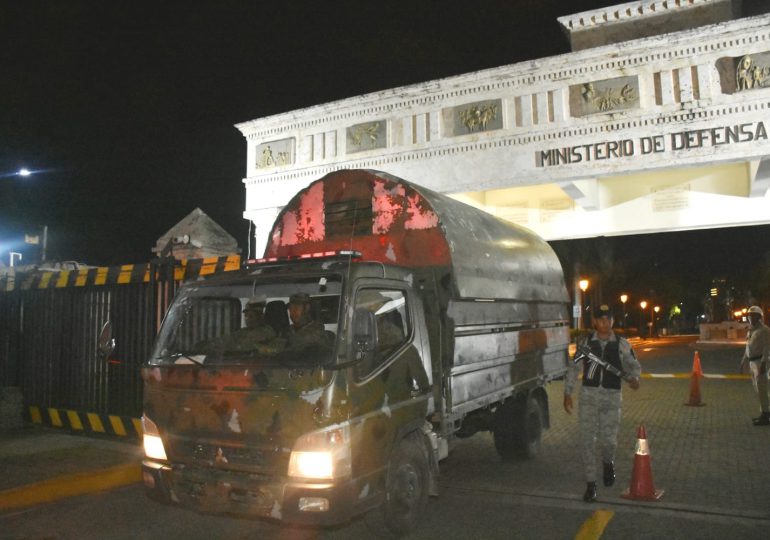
(263, 220)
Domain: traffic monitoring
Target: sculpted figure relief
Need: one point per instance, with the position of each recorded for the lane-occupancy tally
(476, 118)
(750, 75)
(609, 98)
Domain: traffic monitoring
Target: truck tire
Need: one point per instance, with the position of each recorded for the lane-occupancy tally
(518, 429)
(406, 491)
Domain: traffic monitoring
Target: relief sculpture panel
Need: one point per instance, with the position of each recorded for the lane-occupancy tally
(275, 153)
(746, 72)
(472, 118)
(753, 71)
(366, 136)
(605, 96)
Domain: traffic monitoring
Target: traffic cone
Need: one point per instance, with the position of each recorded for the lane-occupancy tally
(695, 377)
(642, 487)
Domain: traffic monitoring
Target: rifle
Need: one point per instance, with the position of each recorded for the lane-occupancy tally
(586, 353)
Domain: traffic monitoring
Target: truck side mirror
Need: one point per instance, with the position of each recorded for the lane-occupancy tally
(106, 343)
(364, 332)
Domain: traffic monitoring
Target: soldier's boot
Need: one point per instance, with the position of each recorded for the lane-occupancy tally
(590, 494)
(762, 420)
(609, 473)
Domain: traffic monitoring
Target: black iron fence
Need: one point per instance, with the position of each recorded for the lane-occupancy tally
(50, 324)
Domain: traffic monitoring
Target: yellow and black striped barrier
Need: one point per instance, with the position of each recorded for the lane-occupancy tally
(114, 275)
(87, 422)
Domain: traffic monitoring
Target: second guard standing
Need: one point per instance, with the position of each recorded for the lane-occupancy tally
(757, 355)
(600, 397)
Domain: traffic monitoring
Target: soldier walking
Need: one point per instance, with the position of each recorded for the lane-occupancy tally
(600, 396)
(757, 354)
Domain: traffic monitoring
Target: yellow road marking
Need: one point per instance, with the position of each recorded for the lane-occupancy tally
(594, 526)
(70, 486)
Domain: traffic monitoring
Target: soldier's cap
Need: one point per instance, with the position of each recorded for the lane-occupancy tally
(756, 310)
(299, 298)
(256, 303)
(603, 311)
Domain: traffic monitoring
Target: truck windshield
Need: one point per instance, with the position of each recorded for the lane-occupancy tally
(292, 322)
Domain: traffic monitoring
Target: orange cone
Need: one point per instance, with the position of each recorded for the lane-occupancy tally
(642, 487)
(695, 377)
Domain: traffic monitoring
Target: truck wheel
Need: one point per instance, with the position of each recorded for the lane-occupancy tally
(406, 491)
(518, 429)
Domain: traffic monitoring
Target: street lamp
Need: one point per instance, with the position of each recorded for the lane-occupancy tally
(623, 300)
(654, 311)
(643, 305)
(583, 284)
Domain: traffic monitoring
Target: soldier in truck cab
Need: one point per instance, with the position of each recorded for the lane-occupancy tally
(255, 334)
(305, 331)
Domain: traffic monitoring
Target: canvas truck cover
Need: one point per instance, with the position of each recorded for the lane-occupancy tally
(393, 221)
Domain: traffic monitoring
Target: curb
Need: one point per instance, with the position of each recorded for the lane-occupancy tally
(79, 421)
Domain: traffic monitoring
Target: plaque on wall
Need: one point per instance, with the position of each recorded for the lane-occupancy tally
(605, 96)
(366, 136)
(472, 118)
(275, 153)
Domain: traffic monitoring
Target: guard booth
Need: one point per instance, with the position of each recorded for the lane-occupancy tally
(50, 324)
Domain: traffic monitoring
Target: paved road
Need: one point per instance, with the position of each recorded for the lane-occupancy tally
(674, 355)
(710, 460)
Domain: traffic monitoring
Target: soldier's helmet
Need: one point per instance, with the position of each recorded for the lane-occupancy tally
(756, 310)
(299, 298)
(603, 311)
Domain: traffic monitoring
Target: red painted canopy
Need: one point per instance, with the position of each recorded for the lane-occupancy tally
(386, 219)
(394, 221)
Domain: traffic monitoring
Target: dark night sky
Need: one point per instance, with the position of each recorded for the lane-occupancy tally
(128, 107)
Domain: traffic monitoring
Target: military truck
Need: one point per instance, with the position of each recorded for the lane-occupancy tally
(439, 321)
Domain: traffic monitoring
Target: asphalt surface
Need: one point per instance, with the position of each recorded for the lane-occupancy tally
(710, 461)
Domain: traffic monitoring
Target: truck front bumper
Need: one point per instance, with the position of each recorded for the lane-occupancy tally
(220, 491)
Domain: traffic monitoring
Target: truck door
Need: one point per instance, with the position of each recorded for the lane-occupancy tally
(391, 390)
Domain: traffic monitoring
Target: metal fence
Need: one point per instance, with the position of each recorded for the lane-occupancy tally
(50, 324)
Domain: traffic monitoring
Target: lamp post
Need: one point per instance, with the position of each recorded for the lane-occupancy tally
(583, 284)
(653, 312)
(33, 239)
(643, 305)
(623, 300)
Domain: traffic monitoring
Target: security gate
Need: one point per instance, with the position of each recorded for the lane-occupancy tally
(50, 323)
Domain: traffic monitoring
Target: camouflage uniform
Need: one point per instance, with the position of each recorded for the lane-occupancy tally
(311, 334)
(305, 333)
(242, 340)
(600, 398)
(248, 339)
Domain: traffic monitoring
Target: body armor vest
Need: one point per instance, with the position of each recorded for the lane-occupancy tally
(593, 374)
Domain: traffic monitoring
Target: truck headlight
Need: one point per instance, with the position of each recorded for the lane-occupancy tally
(322, 455)
(153, 444)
